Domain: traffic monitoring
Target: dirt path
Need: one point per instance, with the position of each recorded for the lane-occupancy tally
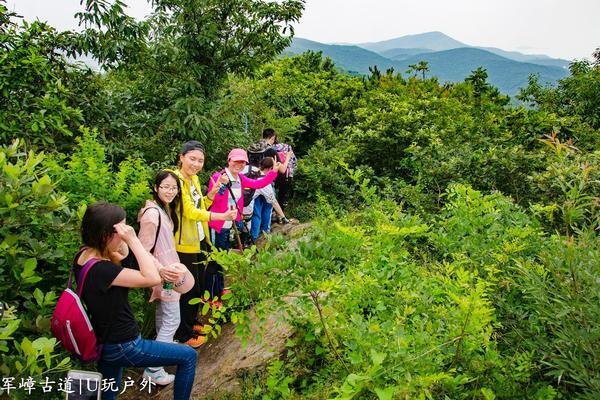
(222, 361)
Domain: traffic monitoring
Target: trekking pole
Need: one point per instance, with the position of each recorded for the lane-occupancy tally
(237, 235)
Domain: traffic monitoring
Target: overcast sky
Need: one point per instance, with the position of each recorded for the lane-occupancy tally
(558, 28)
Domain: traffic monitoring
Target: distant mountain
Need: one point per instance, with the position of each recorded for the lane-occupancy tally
(402, 53)
(507, 75)
(450, 65)
(353, 59)
(531, 58)
(434, 41)
(437, 41)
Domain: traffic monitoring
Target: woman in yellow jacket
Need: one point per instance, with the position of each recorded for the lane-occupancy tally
(192, 239)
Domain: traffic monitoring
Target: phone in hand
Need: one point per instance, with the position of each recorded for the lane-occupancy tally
(85, 385)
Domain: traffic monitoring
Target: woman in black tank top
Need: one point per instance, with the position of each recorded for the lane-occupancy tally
(106, 237)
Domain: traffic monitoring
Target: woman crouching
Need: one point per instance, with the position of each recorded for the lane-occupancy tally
(106, 237)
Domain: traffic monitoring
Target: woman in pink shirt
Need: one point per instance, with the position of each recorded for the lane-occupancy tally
(231, 195)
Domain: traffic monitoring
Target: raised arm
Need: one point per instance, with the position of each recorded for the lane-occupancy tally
(288, 157)
(147, 276)
(259, 183)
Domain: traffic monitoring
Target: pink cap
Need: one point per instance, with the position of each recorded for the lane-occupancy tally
(237, 155)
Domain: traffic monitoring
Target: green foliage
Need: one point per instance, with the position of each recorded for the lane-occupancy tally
(235, 35)
(167, 72)
(35, 98)
(36, 235)
(576, 95)
(454, 252)
(464, 306)
(86, 177)
(309, 87)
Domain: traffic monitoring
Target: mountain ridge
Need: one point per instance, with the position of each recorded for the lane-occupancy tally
(439, 41)
(452, 65)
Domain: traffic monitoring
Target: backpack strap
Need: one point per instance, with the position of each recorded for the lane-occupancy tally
(83, 274)
(157, 228)
(81, 250)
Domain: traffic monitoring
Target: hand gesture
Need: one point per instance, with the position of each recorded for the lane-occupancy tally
(126, 232)
(172, 273)
(231, 214)
(223, 179)
(276, 165)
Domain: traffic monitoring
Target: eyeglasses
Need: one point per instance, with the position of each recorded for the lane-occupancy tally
(169, 188)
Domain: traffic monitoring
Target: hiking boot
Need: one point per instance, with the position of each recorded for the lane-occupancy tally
(196, 342)
(160, 376)
(197, 328)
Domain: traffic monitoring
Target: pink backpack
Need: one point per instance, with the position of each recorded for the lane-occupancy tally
(70, 323)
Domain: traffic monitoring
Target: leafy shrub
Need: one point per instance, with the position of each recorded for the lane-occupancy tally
(36, 238)
(85, 176)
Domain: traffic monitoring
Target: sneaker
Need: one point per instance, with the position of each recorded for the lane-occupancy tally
(160, 377)
(196, 342)
(284, 221)
(197, 328)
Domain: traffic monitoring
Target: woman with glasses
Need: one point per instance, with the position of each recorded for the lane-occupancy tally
(192, 239)
(158, 223)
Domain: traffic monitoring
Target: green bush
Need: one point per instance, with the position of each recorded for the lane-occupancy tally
(37, 239)
(85, 176)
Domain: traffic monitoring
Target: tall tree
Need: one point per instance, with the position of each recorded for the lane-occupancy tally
(422, 67)
(577, 94)
(165, 81)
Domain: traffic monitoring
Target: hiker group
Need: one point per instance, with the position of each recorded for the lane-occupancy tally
(179, 227)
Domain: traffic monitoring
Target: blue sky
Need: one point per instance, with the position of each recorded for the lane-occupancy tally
(558, 28)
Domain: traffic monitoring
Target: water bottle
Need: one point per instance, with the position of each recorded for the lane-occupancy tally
(167, 290)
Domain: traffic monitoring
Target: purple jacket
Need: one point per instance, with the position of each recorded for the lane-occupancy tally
(220, 202)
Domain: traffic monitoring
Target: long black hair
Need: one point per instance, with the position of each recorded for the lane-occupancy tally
(97, 225)
(169, 208)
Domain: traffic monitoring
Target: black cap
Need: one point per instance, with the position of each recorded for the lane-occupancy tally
(191, 145)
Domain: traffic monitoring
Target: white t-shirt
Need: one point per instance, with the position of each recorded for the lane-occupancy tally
(196, 196)
(249, 209)
(236, 189)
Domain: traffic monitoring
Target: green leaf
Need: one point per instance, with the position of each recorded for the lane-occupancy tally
(227, 296)
(39, 296)
(488, 394)
(377, 357)
(27, 347)
(205, 308)
(28, 268)
(385, 394)
(42, 186)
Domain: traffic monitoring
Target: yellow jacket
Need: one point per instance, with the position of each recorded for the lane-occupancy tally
(186, 237)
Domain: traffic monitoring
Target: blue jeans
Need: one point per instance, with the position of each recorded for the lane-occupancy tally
(221, 239)
(149, 353)
(261, 217)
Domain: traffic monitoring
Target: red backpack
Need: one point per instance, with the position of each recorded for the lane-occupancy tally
(70, 323)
